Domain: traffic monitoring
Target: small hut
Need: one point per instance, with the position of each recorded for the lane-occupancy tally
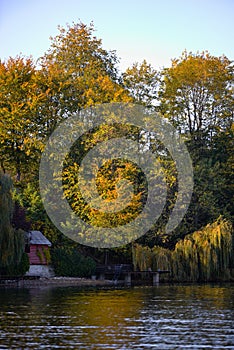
(37, 247)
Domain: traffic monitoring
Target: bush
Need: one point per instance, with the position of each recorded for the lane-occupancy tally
(71, 263)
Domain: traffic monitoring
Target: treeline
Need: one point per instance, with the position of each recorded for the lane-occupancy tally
(195, 94)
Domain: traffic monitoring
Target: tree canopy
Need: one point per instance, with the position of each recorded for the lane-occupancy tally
(20, 126)
(79, 73)
(195, 94)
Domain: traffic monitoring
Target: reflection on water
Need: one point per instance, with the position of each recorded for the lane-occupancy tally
(163, 317)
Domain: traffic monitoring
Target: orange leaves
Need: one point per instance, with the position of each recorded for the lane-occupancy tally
(20, 100)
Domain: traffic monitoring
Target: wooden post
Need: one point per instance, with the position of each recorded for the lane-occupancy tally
(128, 280)
(155, 278)
(102, 276)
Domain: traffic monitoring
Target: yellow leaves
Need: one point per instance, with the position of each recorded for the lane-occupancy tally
(204, 255)
(102, 89)
(79, 72)
(210, 246)
(157, 258)
(114, 205)
(203, 69)
(20, 100)
(194, 90)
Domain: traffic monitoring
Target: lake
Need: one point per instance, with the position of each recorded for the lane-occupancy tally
(161, 317)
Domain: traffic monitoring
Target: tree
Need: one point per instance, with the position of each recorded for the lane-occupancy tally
(6, 229)
(205, 255)
(78, 73)
(197, 97)
(142, 82)
(197, 94)
(223, 163)
(11, 241)
(20, 129)
(19, 219)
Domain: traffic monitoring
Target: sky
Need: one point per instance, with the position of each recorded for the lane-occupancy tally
(155, 30)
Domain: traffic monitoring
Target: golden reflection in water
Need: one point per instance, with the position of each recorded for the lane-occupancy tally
(107, 311)
(73, 318)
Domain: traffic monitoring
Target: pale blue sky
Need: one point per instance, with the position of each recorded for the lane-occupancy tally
(155, 30)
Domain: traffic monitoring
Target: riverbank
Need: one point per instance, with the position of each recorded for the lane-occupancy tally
(56, 282)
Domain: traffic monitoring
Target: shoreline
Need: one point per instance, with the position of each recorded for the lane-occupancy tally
(56, 282)
(44, 282)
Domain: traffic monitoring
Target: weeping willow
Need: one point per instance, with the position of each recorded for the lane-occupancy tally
(141, 257)
(161, 258)
(205, 255)
(6, 229)
(11, 241)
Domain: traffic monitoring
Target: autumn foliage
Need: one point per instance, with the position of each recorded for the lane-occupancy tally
(195, 94)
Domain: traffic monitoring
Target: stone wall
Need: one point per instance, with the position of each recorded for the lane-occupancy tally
(40, 270)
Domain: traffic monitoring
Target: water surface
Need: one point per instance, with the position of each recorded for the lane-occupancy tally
(163, 317)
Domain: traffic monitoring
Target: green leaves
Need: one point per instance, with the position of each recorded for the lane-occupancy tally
(75, 73)
(142, 81)
(11, 241)
(79, 72)
(197, 95)
(69, 262)
(20, 99)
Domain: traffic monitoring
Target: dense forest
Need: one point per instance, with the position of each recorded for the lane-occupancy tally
(195, 94)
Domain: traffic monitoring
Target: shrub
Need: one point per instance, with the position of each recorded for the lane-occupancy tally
(71, 263)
